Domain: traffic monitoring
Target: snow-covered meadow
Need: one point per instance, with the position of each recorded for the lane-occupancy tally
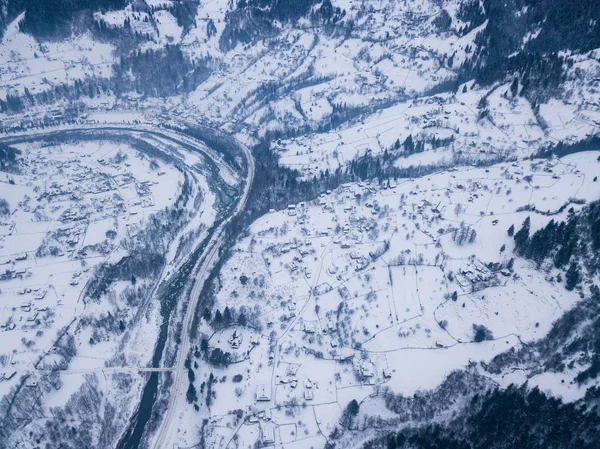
(376, 286)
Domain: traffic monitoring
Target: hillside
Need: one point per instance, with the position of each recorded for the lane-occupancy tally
(299, 223)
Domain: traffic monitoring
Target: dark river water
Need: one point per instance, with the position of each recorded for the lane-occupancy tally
(169, 295)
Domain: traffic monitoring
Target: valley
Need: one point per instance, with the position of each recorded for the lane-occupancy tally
(299, 224)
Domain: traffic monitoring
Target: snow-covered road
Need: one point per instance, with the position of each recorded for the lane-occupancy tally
(207, 261)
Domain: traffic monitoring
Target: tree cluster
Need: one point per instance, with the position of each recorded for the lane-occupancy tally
(162, 72)
(464, 234)
(252, 20)
(51, 19)
(8, 158)
(511, 418)
(573, 243)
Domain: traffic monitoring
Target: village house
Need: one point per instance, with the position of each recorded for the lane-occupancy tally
(367, 369)
(262, 393)
(267, 434)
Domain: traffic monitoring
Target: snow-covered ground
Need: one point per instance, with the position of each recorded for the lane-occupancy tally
(70, 208)
(37, 67)
(381, 285)
(379, 73)
(370, 286)
(79, 204)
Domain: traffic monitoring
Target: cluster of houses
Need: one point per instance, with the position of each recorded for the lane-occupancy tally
(266, 427)
(367, 371)
(16, 122)
(28, 312)
(290, 378)
(18, 273)
(476, 276)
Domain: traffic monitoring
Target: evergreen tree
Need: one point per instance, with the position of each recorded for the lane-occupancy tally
(218, 319)
(227, 317)
(204, 345)
(220, 358)
(542, 242)
(514, 87)
(572, 277)
(481, 333)
(191, 395)
(352, 408)
(409, 145)
(522, 237)
(564, 253)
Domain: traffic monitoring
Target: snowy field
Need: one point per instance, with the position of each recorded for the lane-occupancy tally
(381, 285)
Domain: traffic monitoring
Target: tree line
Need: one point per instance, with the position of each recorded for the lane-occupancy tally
(516, 417)
(562, 243)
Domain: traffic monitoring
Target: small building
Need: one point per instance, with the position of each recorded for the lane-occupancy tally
(355, 256)
(309, 395)
(367, 369)
(267, 434)
(262, 393)
(309, 328)
(40, 295)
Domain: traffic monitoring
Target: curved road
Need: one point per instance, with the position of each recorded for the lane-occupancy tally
(210, 256)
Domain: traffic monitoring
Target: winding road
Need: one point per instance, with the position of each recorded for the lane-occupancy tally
(177, 396)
